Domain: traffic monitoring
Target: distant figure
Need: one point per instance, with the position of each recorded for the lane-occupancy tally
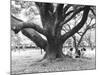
(78, 54)
(71, 49)
(71, 53)
(83, 51)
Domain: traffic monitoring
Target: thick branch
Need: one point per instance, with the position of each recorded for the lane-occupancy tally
(58, 19)
(14, 23)
(79, 25)
(35, 37)
(17, 26)
(59, 12)
(73, 15)
(35, 27)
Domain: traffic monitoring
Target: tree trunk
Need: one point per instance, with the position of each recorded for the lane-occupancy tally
(53, 51)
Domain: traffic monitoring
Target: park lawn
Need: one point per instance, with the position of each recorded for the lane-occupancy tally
(23, 62)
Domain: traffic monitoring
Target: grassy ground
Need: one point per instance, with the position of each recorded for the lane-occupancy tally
(26, 62)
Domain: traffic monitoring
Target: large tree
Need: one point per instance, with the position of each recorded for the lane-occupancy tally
(53, 17)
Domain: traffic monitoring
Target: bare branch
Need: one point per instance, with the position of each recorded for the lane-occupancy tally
(80, 33)
(75, 41)
(93, 12)
(86, 29)
(68, 14)
(64, 28)
(82, 36)
(13, 17)
(67, 7)
(79, 25)
(69, 26)
(76, 12)
(92, 26)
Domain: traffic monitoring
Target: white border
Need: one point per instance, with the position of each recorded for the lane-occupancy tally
(86, 2)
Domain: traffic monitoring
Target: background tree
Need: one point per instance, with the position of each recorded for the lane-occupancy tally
(15, 41)
(79, 36)
(53, 18)
(90, 42)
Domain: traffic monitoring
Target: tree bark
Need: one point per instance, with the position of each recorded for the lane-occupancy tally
(54, 50)
(35, 37)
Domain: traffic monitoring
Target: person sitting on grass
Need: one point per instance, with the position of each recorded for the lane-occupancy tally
(83, 50)
(71, 53)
